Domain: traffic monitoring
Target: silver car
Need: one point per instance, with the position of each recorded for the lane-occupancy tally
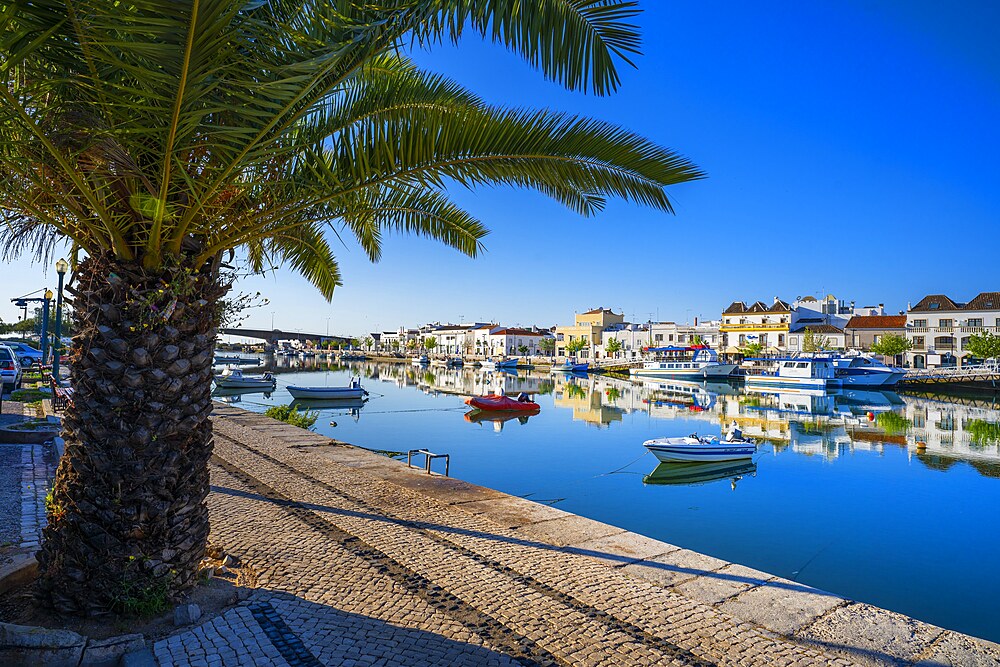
(10, 369)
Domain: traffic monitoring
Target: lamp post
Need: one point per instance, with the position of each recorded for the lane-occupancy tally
(45, 326)
(61, 267)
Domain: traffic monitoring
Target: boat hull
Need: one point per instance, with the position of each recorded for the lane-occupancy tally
(689, 474)
(244, 383)
(691, 450)
(772, 381)
(493, 403)
(325, 393)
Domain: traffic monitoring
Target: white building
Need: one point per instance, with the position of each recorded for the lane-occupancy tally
(939, 328)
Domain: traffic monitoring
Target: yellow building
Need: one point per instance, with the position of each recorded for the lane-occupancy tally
(759, 323)
(587, 326)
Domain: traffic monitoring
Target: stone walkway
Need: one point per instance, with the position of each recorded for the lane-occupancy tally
(26, 476)
(361, 561)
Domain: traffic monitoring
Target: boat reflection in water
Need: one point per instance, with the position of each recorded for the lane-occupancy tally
(689, 474)
(498, 419)
(236, 394)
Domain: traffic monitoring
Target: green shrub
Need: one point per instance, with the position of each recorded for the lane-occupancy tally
(290, 415)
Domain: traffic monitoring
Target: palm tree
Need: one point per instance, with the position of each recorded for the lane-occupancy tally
(165, 140)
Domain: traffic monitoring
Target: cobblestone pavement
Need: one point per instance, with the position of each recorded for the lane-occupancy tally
(360, 561)
(28, 471)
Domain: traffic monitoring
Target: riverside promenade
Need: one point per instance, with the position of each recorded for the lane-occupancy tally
(361, 561)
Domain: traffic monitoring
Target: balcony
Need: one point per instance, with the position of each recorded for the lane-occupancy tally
(918, 329)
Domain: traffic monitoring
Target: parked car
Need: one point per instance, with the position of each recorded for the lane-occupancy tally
(10, 368)
(27, 355)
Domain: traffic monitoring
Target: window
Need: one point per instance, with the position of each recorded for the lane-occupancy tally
(793, 341)
(975, 321)
(918, 342)
(920, 323)
(949, 323)
(935, 305)
(659, 338)
(802, 364)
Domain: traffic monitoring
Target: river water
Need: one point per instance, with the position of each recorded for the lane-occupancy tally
(885, 498)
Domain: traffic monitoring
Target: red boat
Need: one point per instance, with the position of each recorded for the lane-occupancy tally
(494, 403)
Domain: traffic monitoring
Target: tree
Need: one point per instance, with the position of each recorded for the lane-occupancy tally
(369, 342)
(752, 349)
(547, 345)
(395, 344)
(985, 345)
(523, 349)
(813, 342)
(613, 346)
(891, 345)
(575, 345)
(430, 343)
(411, 344)
(157, 138)
(697, 340)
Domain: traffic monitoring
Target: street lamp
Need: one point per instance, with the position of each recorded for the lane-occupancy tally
(62, 266)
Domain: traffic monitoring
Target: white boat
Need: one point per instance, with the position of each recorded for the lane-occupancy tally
(233, 378)
(862, 371)
(455, 362)
(352, 391)
(704, 364)
(422, 360)
(693, 448)
(797, 372)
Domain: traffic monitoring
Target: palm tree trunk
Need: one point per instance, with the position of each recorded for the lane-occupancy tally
(127, 520)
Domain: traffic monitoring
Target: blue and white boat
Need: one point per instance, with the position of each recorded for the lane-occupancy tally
(862, 371)
(704, 364)
(798, 372)
(422, 360)
(570, 366)
(693, 448)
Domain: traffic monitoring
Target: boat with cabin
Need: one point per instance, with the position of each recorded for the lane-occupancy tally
(703, 365)
(353, 390)
(422, 360)
(233, 378)
(816, 373)
(862, 371)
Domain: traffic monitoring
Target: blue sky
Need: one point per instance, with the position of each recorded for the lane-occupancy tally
(850, 147)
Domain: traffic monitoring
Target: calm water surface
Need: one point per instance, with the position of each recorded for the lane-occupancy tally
(898, 509)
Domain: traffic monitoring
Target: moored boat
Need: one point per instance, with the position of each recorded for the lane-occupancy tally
(704, 364)
(862, 371)
(570, 366)
(693, 448)
(798, 372)
(499, 403)
(353, 390)
(233, 378)
(422, 360)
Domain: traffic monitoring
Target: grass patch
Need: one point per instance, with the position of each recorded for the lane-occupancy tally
(290, 415)
(29, 395)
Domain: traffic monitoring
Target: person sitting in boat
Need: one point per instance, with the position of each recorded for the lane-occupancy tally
(735, 433)
(522, 398)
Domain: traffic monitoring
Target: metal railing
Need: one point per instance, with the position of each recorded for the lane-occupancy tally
(428, 457)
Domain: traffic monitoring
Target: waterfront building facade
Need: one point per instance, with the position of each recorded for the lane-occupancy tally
(509, 341)
(939, 328)
(863, 331)
(744, 325)
(588, 326)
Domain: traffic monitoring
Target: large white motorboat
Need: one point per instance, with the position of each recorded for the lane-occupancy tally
(862, 371)
(703, 365)
(797, 372)
(233, 378)
(351, 391)
(693, 448)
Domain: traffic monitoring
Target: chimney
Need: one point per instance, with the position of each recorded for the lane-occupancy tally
(696, 321)
(776, 299)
